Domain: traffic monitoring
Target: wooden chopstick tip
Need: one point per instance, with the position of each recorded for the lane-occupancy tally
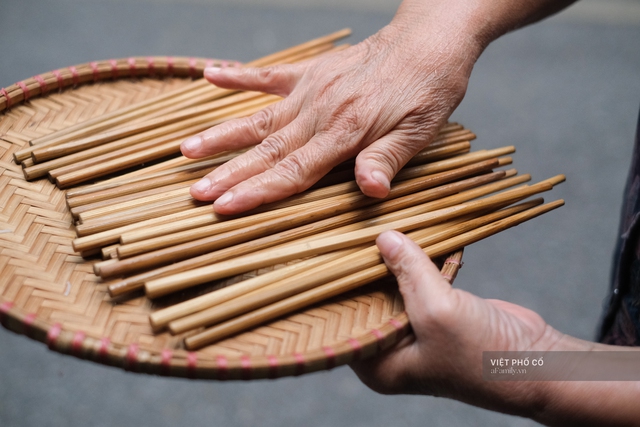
(504, 161)
(510, 172)
(555, 180)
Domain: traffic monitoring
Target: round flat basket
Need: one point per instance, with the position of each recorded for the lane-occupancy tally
(50, 293)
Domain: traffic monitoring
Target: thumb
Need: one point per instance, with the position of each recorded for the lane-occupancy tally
(377, 164)
(277, 80)
(419, 280)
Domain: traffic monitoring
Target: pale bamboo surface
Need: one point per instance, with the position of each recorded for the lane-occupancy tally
(207, 309)
(406, 193)
(242, 264)
(328, 213)
(112, 205)
(157, 127)
(341, 285)
(321, 228)
(111, 231)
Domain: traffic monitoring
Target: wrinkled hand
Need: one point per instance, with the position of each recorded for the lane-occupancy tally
(382, 100)
(451, 329)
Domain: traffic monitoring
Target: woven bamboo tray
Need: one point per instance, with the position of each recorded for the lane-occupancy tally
(50, 294)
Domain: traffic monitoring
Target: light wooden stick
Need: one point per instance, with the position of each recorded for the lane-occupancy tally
(74, 162)
(93, 211)
(157, 212)
(431, 168)
(127, 183)
(161, 318)
(411, 190)
(201, 304)
(246, 296)
(109, 252)
(153, 127)
(330, 226)
(134, 159)
(305, 197)
(353, 281)
(148, 139)
(110, 199)
(115, 192)
(169, 100)
(181, 192)
(144, 172)
(166, 285)
(168, 196)
(156, 136)
(128, 198)
(111, 236)
(331, 208)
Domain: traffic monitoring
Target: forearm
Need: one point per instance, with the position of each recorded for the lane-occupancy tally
(574, 402)
(473, 24)
(589, 403)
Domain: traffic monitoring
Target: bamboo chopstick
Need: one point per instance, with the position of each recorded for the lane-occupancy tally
(197, 168)
(248, 295)
(156, 127)
(161, 318)
(128, 184)
(165, 285)
(121, 200)
(181, 192)
(149, 139)
(336, 210)
(168, 100)
(109, 232)
(430, 168)
(325, 227)
(405, 194)
(353, 281)
(112, 235)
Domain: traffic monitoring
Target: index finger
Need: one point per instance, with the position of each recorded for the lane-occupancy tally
(295, 173)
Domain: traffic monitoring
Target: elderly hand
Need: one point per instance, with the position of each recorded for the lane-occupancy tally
(451, 329)
(382, 100)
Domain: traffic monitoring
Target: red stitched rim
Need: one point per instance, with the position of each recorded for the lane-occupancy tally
(167, 362)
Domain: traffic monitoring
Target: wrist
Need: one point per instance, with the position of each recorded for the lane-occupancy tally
(583, 403)
(473, 24)
(466, 26)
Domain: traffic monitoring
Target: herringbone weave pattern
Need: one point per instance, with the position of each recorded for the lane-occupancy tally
(49, 292)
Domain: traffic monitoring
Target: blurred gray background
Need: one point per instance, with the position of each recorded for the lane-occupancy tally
(565, 92)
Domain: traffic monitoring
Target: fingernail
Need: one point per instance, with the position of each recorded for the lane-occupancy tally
(226, 198)
(381, 178)
(202, 186)
(390, 244)
(210, 71)
(193, 143)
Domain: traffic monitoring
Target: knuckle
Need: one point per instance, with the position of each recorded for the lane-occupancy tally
(270, 150)
(345, 125)
(262, 123)
(292, 169)
(265, 74)
(351, 121)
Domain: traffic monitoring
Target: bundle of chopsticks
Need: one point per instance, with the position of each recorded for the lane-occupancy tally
(134, 210)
